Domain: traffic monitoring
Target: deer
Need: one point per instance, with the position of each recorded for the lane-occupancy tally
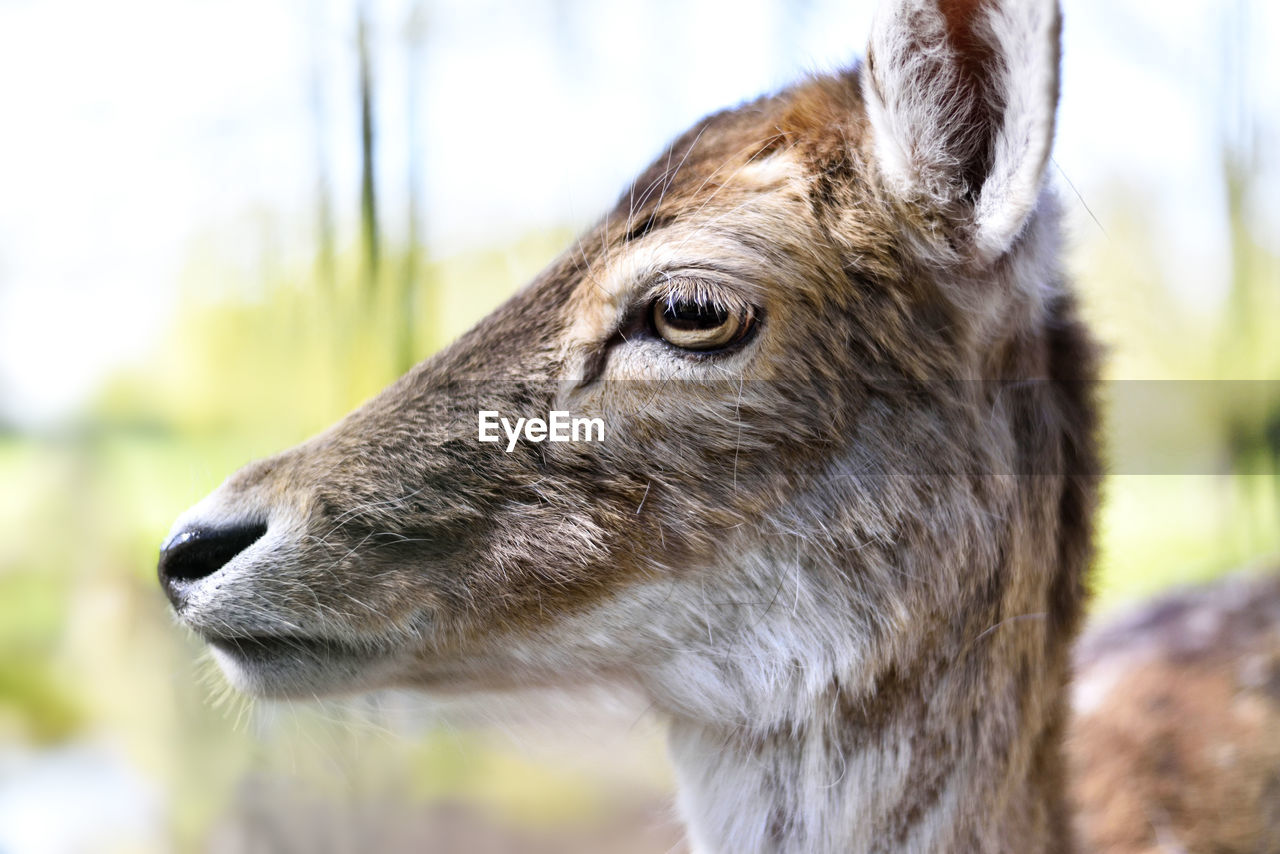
(837, 527)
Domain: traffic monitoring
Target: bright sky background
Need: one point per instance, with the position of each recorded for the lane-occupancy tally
(139, 134)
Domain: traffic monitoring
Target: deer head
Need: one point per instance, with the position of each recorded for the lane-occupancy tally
(827, 338)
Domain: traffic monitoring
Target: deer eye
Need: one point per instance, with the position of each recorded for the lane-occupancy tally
(693, 323)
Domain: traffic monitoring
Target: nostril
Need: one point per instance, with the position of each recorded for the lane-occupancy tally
(199, 552)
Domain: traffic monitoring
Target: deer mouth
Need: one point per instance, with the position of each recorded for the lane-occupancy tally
(261, 647)
(288, 665)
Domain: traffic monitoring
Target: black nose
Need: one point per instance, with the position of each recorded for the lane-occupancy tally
(199, 552)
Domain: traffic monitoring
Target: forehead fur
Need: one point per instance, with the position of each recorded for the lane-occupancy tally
(776, 193)
(820, 122)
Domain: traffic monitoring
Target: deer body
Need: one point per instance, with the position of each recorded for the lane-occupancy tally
(839, 527)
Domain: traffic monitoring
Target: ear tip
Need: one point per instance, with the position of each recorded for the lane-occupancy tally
(962, 15)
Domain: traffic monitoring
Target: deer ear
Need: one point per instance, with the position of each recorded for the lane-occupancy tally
(961, 96)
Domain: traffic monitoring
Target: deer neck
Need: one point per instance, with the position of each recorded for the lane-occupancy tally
(952, 745)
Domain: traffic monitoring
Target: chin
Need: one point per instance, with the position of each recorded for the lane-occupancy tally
(283, 668)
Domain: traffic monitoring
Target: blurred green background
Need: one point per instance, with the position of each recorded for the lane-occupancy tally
(227, 224)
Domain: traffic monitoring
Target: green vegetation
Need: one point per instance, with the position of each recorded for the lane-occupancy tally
(1193, 408)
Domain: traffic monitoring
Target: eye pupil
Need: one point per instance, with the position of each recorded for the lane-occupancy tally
(691, 314)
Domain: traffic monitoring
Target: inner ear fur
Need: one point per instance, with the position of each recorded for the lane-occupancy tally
(961, 98)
